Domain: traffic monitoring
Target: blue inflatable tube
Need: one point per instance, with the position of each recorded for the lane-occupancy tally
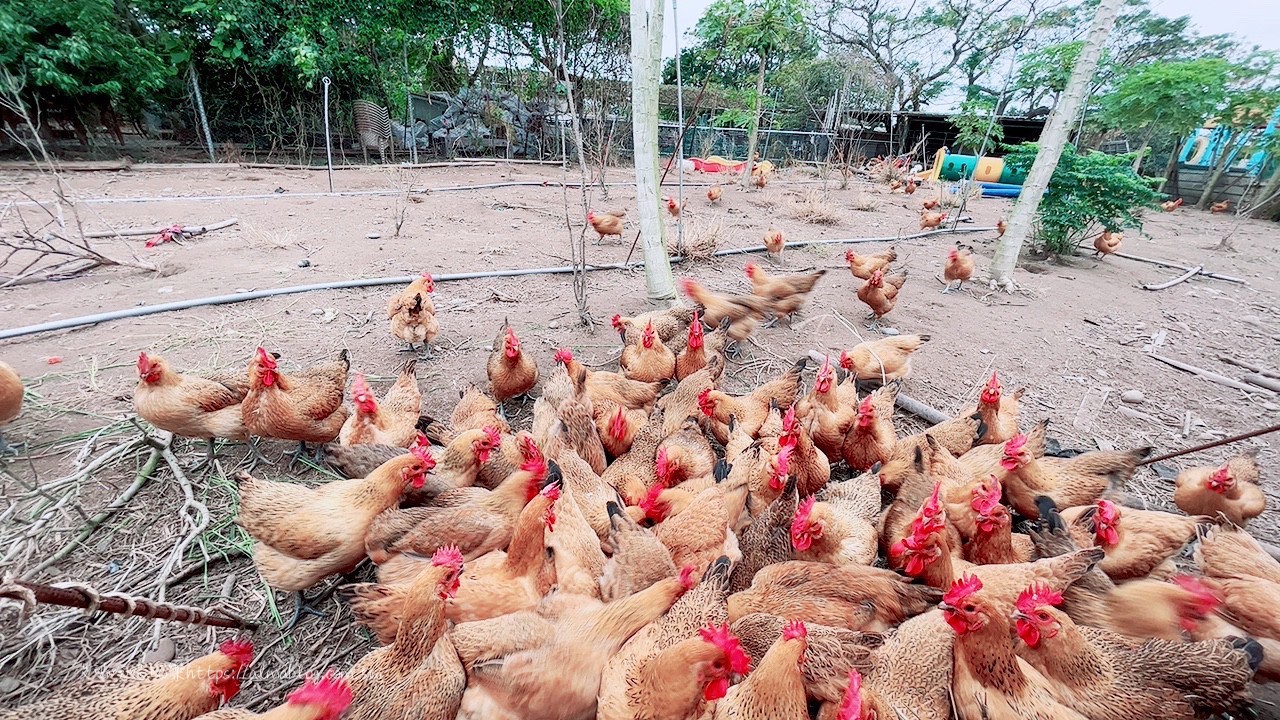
(1004, 190)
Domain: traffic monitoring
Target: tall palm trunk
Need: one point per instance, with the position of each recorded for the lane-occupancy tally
(1052, 142)
(753, 134)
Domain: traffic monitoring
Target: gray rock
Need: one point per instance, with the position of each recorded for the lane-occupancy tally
(1133, 397)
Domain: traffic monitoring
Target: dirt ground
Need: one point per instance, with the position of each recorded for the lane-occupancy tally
(1074, 336)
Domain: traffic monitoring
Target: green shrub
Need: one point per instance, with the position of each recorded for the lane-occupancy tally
(1088, 193)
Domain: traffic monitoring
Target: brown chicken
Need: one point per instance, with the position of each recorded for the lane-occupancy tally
(750, 410)
(561, 679)
(1246, 594)
(684, 455)
(10, 402)
(1171, 205)
(306, 406)
(1136, 541)
(700, 348)
(704, 529)
(418, 674)
(809, 465)
(605, 224)
(852, 597)
(767, 539)
(958, 267)
(839, 525)
(743, 312)
(673, 668)
(1107, 243)
(863, 265)
(1220, 207)
(639, 558)
(880, 293)
(1001, 226)
(993, 541)
(883, 360)
(929, 204)
(931, 220)
(714, 192)
(871, 439)
(617, 427)
(475, 528)
(649, 360)
(998, 411)
(990, 681)
(413, 314)
(632, 473)
(157, 691)
(460, 461)
(191, 406)
(670, 324)
(1068, 482)
(605, 386)
(394, 422)
(303, 535)
(832, 653)
(829, 410)
(325, 698)
(774, 242)
(1231, 490)
(786, 293)
(495, 584)
(775, 687)
(1105, 676)
(512, 372)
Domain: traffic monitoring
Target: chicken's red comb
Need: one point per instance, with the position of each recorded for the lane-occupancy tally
(240, 650)
(144, 365)
(723, 638)
(751, 269)
(421, 441)
(1205, 597)
(618, 424)
(616, 321)
(534, 462)
(688, 286)
(423, 453)
(1013, 452)
(492, 436)
(448, 556)
(865, 407)
(851, 704)
(932, 507)
(706, 404)
(846, 362)
(330, 692)
(551, 492)
(662, 466)
(1108, 513)
(781, 467)
(986, 496)
(800, 522)
(794, 629)
(360, 391)
(651, 498)
(961, 589)
(265, 358)
(1036, 596)
(687, 581)
(825, 370)
(849, 256)
(563, 355)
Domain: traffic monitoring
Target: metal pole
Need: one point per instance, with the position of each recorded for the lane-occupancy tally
(1210, 445)
(328, 144)
(204, 119)
(679, 155)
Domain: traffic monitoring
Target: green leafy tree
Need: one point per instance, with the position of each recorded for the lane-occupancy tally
(1246, 110)
(1088, 192)
(1043, 73)
(977, 128)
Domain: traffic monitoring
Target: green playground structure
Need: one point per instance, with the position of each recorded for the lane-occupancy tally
(963, 167)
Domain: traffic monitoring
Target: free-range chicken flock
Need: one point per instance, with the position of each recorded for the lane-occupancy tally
(654, 547)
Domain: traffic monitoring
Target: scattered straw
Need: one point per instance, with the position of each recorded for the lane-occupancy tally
(814, 207)
(701, 239)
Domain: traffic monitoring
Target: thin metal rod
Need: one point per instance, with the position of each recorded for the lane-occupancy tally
(328, 142)
(204, 119)
(675, 25)
(1211, 445)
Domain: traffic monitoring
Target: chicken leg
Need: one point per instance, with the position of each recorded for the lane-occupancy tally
(7, 449)
(296, 455)
(302, 607)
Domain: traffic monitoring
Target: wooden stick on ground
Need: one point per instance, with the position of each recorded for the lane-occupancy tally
(84, 597)
(1210, 375)
(1170, 283)
(1250, 367)
(187, 230)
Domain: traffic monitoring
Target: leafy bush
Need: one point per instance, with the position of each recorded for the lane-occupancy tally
(1088, 193)
(976, 126)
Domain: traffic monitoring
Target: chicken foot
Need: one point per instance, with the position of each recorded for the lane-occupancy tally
(7, 449)
(948, 289)
(301, 606)
(413, 348)
(317, 457)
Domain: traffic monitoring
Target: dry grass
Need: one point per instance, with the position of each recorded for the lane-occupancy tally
(952, 195)
(814, 208)
(884, 172)
(864, 202)
(701, 239)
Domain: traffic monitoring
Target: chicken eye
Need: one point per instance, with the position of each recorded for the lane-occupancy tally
(1043, 615)
(970, 607)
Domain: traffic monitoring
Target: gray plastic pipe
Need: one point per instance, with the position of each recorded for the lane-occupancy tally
(399, 280)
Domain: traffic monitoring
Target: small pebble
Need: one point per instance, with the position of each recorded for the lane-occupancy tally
(1133, 397)
(304, 263)
(165, 290)
(889, 331)
(373, 236)
(553, 324)
(317, 311)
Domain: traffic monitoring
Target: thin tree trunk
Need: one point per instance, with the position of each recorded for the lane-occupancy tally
(646, 73)
(1219, 168)
(754, 134)
(1052, 142)
(1171, 167)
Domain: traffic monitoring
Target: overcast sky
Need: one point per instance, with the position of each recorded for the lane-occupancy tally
(1255, 21)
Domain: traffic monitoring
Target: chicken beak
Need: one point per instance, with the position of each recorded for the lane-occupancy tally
(945, 607)
(1018, 615)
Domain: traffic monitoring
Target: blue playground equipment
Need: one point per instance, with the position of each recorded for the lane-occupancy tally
(1207, 145)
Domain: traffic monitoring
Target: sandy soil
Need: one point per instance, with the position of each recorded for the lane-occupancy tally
(1074, 336)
